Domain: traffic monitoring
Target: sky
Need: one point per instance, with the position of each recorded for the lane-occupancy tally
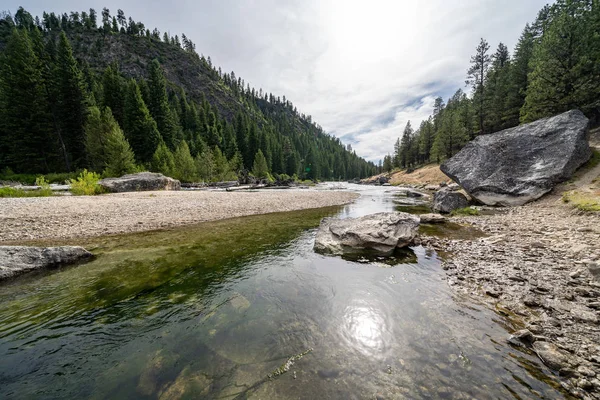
(362, 69)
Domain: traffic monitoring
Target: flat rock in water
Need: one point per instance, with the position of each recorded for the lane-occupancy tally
(381, 233)
(143, 181)
(521, 164)
(17, 260)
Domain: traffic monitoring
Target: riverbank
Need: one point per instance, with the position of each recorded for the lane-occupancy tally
(24, 219)
(539, 267)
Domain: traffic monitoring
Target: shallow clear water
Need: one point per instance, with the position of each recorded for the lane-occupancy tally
(211, 311)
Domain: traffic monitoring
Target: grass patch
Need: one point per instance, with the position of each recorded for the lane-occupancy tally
(43, 191)
(86, 184)
(464, 212)
(15, 192)
(582, 201)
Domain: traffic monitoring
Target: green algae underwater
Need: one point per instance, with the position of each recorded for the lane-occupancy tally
(243, 308)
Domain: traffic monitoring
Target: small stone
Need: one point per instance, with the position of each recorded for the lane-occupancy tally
(531, 301)
(524, 335)
(551, 355)
(585, 384)
(576, 274)
(585, 371)
(492, 292)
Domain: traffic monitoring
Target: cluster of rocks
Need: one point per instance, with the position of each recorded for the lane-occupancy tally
(143, 181)
(539, 267)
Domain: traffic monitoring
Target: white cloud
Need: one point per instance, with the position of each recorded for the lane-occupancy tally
(356, 66)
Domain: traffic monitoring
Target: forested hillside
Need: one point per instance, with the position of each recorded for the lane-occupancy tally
(555, 67)
(103, 92)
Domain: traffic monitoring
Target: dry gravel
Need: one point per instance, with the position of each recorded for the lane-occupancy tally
(81, 216)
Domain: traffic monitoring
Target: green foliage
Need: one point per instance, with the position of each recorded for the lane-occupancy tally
(260, 169)
(185, 169)
(467, 211)
(48, 105)
(16, 192)
(86, 184)
(44, 185)
(140, 129)
(163, 160)
(586, 202)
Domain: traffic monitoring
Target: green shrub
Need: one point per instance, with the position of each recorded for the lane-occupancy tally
(86, 184)
(44, 186)
(465, 211)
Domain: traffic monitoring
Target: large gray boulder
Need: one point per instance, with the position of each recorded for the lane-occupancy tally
(521, 164)
(381, 233)
(142, 181)
(17, 260)
(446, 201)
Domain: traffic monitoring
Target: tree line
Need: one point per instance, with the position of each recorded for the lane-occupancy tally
(555, 67)
(58, 113)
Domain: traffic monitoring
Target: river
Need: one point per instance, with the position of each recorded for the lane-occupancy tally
(244, 308)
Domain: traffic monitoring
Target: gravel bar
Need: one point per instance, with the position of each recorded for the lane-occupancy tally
(63, 217)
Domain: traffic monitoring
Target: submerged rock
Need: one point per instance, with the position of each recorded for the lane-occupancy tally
(446, 201)
(17, 260)
(381, 233)
(521, 164)
(142, 181)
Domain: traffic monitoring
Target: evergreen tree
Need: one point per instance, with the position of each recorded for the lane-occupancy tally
(518, 77)
(163, 160)
(405, 146)
(476, 75)
(24, 122)
(260, 168)
(72, 101)
(556, 83)
(120, 157)
(185, 168)
(158, 104)
(114, 93)
(140, 128)
(497, 88)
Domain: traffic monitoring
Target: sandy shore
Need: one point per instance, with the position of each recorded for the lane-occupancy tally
(84, 216)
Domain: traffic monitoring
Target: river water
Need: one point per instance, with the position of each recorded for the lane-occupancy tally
(244, 308)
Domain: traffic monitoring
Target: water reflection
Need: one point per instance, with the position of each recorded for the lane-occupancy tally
(365, 329)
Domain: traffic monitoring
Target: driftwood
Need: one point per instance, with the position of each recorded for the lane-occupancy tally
(245, 187)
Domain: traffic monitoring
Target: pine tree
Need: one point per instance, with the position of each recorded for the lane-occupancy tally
(140, 128)
(72, 101)
(518, 77)
(24, 121)
(163, 160)
(119, 155)
(114, 93)
(497, 86)
(476, 76)
(260, 168)
(405, 146)
(556, 83)
(158, 104)
(185, 168)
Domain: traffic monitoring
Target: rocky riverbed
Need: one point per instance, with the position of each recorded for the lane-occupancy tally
(38, 218)
(538, 266)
